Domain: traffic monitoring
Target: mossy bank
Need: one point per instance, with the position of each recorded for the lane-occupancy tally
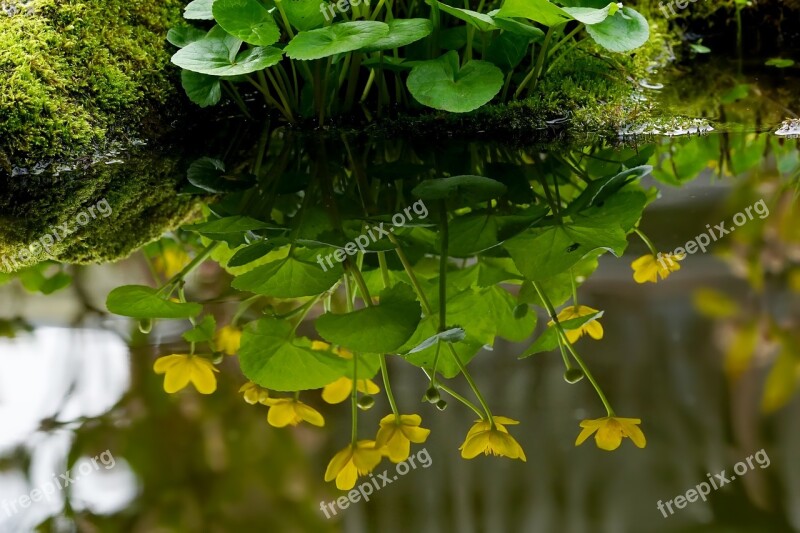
(74, 74)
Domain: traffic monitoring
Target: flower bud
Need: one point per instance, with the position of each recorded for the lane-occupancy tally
(217, 358)
(432, 394)
(146, 325)
(441, 405)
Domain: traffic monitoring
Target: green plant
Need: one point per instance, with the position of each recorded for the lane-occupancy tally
(303, 64)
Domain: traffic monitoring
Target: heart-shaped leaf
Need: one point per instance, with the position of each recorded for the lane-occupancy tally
(272, 358)
(460, 190)
(335, 39)
(304, 14)
(441, 84)
(288, 278)
(183, 35)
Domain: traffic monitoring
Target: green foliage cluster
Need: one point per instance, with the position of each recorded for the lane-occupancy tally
(305, 64)
(71, 71)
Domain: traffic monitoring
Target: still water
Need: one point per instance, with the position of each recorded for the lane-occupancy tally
(708, 359)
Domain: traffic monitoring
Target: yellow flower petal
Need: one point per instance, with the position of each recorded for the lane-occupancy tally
(338, 391)
(367, 386)
(163, 364)
(611, 431)
(228, 339)
(177, 378)
(338, 463)
(282, 414)
(202, 375)
(609, 436)
(347, 477)
(309, 414)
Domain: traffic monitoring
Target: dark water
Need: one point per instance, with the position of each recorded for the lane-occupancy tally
(708, 359)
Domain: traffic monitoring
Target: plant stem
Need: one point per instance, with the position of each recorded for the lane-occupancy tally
(647, 241)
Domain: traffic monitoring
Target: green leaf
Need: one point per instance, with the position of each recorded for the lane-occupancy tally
(449, 335)
(507, 50)
(540, 11)
(288, 278)
(335, 39)
(472, 233)
(251, 252)
(138, 301)
(739, 92)
(779, 62)
(541, 253)
(202, 332)
(378, 329)
(625, 31)
(402, 32)
(441, 84)
(699, 48)
(460, 190)
(271, 357)
(228, 229)
(548, 340)
(202, 89)
(591, 15)
(209, 175)
(181, 36)
(247, 20)
(211, 55)
(600, 189)
(518, 27)
(303, 14)
(481, 21)
(199, 10)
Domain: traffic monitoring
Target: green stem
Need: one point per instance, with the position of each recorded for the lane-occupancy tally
(647, 241)
(199, 258)
(563, 336)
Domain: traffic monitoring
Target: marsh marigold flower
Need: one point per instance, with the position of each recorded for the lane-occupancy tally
(356, 460)
(396, 435)
(182, 369)
(483, 438)
(593, 328)
(228, 339)
(340, 390)
(610, 431)
(290, 412)
(649, 268)
(254, 394)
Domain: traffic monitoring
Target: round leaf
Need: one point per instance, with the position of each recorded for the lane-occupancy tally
(625, 31)
(304, 14)
(202, 89)
(248, 20)
(463, 190)
(441, 84)
(335, 39)
(212, 56)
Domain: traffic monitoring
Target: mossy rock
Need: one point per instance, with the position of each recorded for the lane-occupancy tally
(109, 210)
(74, 74)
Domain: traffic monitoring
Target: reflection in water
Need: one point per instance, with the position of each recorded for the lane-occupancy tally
(707, 358)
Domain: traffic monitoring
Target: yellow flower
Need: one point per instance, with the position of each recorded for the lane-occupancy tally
(323, 346)
(395, 436)
(181, 369)
(650, 267)
(171, 261)
(355, 460)
(228, 339)
(610, 430)
(254, 394)
(483, 438)
(593, 328)
(290, 412)
(340, 390)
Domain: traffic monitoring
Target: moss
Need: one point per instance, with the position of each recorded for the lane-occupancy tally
(73, 72)
(138, 210)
